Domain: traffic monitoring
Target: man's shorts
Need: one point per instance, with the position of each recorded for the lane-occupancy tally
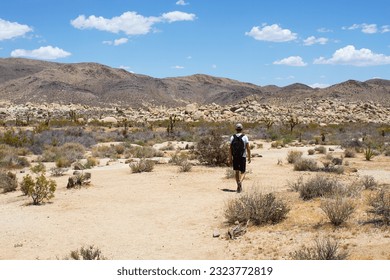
(239, 164)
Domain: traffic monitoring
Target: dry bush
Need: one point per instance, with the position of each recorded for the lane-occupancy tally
(185, 166)
(305, 164)
(349, 153)
(8, 181)
(9, 158)
(311, 152)
(318, 186)
(143, 152)
(338, 209)
(86, 253)
(333, 168)
(320, 149)
(256, 207)
(57, 171)
(178, 157)
(63, 155)
(212, 150)
(91, 162)
(369, 182)
(294, 156)
(323, 249)
(230, 173)
(380, 205)
(143, 165)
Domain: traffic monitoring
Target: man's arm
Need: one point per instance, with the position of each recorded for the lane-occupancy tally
(248, 152)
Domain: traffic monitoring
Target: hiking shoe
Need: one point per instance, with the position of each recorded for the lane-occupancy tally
(239, 187)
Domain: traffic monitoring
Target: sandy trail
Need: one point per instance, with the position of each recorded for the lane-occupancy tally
(164, 214)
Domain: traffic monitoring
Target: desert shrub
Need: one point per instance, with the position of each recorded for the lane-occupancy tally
(91, 162)
(39, 189)
(57, 171)
(338, 209)
(323, 249)
(86, 253)
(9, 158)
(380, 205)
(297, 185)
(38, 168)
(369, 182)
(229, 173)
(185, 166)
(15, 138)
(177, 158)
(212, 150)
(294, 156)
(8, 181)
(257, 208)
(320, 149)
(305, 164)
(333, 168)
(63, 155)
(144, 152)
(143, 165)
(349, 153)
(368, 153)
(318, 186)
(59, 137)
(311, 152)
(63, 162)
(104, 151)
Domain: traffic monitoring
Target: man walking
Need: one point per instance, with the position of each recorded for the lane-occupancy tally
(238, 153)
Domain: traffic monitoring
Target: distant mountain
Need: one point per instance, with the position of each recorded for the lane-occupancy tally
(25, 80)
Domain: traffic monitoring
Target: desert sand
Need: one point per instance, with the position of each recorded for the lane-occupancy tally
(167, 214)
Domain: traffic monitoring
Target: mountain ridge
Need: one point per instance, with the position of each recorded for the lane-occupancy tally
(26, 80)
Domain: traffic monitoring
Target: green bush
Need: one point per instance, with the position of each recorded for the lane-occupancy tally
(39, 189)
(257, 208)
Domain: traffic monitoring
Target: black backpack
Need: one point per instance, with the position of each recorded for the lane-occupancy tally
(237, 146)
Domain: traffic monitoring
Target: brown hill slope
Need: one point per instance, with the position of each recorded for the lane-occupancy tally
(24, 80)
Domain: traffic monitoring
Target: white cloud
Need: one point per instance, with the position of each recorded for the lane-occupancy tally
(272, 33)
(324, 30)
(116, 42)
(313, 40)
(9, 30)
(351, 56)
(182, 3)
(291, 61)
(319, 85)
(177, 67)
(365, 28)
(130, 23)
(178, 16)
(47, 52)
(385, 28)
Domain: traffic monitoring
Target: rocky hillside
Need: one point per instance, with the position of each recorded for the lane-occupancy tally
(92, 84)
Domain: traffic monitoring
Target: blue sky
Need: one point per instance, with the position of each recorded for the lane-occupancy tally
(318, 43)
